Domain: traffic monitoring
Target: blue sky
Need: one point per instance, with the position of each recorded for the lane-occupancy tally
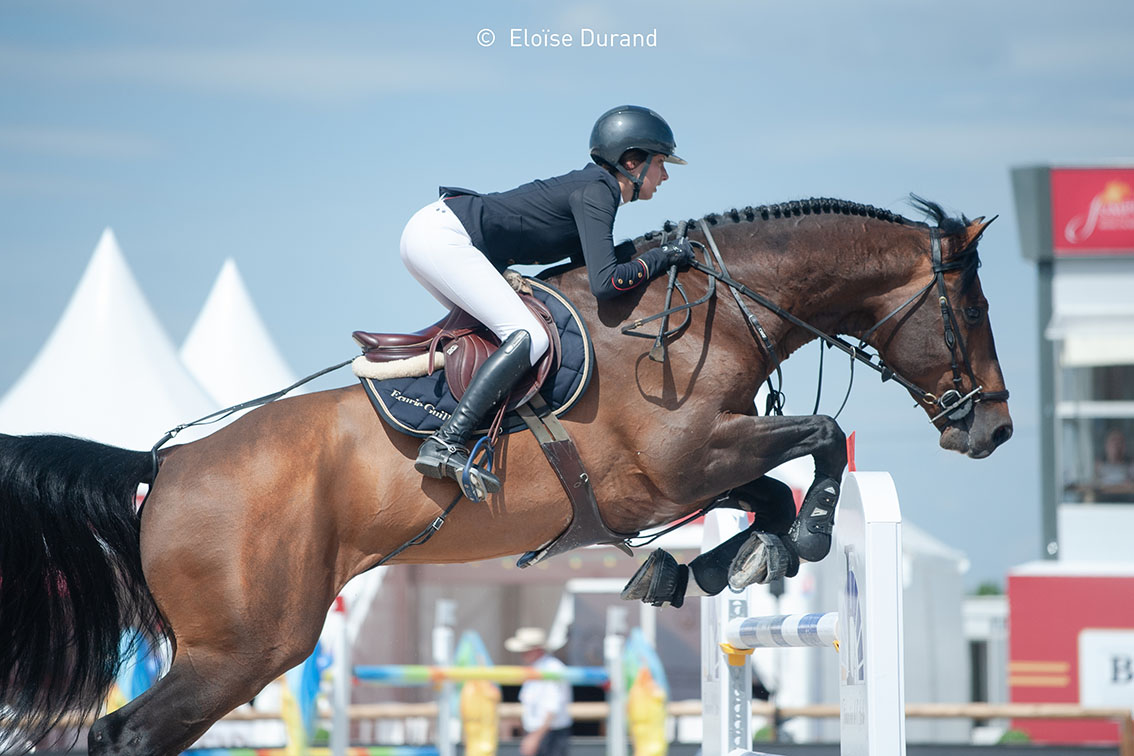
(297, 138)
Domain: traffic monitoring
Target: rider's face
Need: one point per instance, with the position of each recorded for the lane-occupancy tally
(654, 177)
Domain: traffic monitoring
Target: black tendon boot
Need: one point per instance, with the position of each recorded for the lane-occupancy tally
(444, 453)
(810, 534)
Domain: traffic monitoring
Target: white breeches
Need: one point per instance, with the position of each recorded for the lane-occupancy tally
(437, 251)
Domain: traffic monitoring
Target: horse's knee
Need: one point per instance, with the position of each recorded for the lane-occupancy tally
(831, 447)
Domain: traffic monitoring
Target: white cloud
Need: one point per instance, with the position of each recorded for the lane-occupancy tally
(24, 185)
(1108, 52)
(974, 140)
(76, 143)
(307, 75)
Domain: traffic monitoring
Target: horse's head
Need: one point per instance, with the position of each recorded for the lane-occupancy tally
(942, 343)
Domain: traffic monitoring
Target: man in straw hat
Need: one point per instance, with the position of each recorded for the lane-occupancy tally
(545, 717)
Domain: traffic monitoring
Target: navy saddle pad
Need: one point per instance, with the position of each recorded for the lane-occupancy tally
(418, 406)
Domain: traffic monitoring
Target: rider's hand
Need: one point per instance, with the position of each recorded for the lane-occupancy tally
(678, 252)
(658, 260)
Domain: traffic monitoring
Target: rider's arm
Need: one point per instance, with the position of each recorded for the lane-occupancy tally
(594, 207)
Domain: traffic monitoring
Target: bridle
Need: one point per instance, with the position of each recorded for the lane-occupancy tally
(953, 404)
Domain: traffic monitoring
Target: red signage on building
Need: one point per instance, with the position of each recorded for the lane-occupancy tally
(1071, 639)
(1092, 211)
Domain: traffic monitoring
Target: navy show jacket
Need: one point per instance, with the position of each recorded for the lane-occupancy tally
(546, 221)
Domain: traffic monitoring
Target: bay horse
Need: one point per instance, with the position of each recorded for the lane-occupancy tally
(248, 534)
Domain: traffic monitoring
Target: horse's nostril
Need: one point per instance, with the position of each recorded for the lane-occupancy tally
(1002, 434)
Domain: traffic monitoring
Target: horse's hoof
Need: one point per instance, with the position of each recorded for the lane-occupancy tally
(810, 534)
(660, 580)
(764, 557)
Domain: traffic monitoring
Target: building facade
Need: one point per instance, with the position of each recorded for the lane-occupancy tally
(1071, 624)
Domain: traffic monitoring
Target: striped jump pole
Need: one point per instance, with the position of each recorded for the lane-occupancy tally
(783, 631)
(418, 674)
(867, 630)
(444, 676)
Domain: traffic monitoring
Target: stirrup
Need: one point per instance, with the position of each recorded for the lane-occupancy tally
(472, 480)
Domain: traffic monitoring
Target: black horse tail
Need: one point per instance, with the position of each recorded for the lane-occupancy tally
(70, 578)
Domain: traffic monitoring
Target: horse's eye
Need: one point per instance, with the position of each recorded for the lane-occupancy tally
(972, 314)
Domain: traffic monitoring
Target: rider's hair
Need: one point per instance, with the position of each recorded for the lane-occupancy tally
(633, 155)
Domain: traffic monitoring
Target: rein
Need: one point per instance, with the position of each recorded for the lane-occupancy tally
(953, 404)
(221, 414)
(775, 402)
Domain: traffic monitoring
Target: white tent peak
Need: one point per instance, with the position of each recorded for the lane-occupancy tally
(108, 371)
(229, 350)
(108, 241)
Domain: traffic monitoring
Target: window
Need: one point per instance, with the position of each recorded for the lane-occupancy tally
(1095, 415)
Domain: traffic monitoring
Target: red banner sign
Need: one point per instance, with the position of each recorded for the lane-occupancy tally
(1051, 614)
(1092, 211)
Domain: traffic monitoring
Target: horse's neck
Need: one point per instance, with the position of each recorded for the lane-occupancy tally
(837, 274)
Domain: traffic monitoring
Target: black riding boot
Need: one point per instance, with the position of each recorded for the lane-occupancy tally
(444, 453)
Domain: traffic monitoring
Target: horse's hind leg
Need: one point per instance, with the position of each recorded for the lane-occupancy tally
(202, 685)
(242, 611)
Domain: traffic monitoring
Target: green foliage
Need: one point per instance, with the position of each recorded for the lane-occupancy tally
(764, 735)
(1014, 736)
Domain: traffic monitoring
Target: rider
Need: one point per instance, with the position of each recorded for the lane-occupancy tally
(458, 246)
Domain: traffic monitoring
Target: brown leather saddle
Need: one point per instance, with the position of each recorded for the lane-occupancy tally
(466, 344)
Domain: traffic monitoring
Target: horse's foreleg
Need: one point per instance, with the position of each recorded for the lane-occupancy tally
(764, 555)
(744, 449)
(770, 501)
(772, 505)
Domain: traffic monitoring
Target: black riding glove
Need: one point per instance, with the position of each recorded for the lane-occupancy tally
(659, 259)
(652, 263)
(678, 252)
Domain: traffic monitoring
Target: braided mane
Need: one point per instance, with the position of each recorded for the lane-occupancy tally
(818, 206)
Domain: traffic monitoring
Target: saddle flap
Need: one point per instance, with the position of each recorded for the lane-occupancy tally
(412, 400)
(466, 352)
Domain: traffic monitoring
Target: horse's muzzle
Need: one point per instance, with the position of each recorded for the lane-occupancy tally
(980, 432)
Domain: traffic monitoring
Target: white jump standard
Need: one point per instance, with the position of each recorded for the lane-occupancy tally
(867, 630)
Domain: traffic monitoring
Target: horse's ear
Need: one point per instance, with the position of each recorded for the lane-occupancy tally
(975, 228)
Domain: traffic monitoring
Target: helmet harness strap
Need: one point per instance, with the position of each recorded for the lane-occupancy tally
(641, 177)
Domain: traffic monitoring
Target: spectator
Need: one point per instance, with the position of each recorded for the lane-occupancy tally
(1114, 473)
(546, 721)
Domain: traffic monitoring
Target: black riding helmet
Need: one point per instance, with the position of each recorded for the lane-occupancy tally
(632, 127)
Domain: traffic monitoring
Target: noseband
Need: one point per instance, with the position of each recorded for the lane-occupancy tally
(953, 404)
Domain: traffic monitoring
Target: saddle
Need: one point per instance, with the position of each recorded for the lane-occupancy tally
(465, 343)
(412, 399)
